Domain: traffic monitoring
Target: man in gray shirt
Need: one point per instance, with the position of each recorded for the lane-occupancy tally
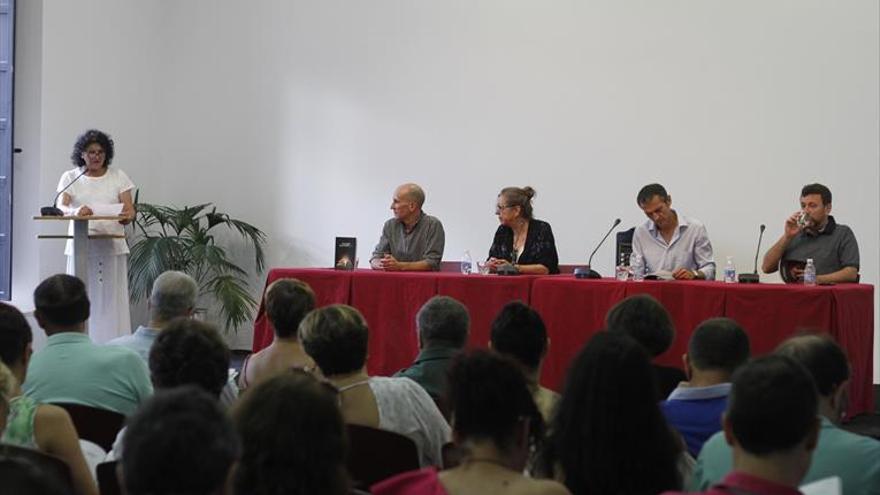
(412, 240)
(669, 241)
(811, 232)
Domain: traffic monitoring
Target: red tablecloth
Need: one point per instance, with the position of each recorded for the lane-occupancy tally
(575, 309)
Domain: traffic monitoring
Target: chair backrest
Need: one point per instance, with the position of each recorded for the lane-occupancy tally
(99, 426)
(624, 245)
(108, 483)
(375, 455)
(48, 464)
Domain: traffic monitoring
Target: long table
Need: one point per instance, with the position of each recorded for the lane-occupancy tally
(574, 310)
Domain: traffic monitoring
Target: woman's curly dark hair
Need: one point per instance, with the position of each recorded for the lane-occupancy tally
(89, 137)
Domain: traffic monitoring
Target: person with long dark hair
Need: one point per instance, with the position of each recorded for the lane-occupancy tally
(496, 426)
(608, 435)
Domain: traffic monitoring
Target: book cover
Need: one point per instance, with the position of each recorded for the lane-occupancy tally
(346, 253)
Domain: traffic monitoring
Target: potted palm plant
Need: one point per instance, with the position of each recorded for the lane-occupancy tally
(183, 239)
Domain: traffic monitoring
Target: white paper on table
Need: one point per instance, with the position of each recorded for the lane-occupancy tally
(825, 486)
(110, 210)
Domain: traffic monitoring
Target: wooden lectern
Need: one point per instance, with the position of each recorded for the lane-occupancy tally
(81, 239)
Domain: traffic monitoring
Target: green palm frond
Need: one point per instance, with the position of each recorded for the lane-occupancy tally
(236, 303)
(169, 238)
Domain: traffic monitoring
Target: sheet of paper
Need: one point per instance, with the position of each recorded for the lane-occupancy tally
(825, 486)
(106, 210)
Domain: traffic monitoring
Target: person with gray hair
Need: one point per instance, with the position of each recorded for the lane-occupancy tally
(412, 240)
(443, 325)
(173, 295)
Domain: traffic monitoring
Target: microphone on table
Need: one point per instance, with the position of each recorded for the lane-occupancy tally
(586, 271)
(54, 211)
(753, 278)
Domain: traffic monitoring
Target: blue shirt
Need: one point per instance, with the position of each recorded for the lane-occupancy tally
(855, 458)
(141, 341)
(72, 368)
(689, 247)
(696, 412)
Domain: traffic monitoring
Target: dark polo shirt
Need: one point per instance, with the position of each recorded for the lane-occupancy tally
(832, 249)
(429, 369)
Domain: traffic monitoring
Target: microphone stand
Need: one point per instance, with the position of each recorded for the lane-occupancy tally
(587, 272)
(753, 278)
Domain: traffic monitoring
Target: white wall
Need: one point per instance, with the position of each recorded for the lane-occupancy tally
(302, 116)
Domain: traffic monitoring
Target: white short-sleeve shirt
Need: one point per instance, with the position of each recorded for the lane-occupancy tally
(105, 190)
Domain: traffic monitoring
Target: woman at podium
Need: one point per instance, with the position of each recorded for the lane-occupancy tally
(93, 188)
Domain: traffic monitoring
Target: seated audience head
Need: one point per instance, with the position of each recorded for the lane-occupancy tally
(179, 441)
(491, 402)
(61, 304)
(771, 415)
(718, 345)
(644, 319)
(293, 438)
(174, 294)
(189, 352)
(519, 332)
(443, 322)
(288, 301)
(335, 337)
(514, 203)
(824, 359)
(608, 434)
(23, 476)
(15, 339)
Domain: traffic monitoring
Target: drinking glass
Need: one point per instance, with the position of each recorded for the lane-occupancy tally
(483, 267)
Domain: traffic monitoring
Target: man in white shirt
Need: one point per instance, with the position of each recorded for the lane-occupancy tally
(669, 241)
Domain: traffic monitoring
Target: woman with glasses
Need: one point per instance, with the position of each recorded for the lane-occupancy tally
(522, 242)
(90, 187)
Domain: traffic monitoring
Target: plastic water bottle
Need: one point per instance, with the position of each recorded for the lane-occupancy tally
(621, 272)
(810, 273)
(467, 263)
(729, 271)
(636, 267)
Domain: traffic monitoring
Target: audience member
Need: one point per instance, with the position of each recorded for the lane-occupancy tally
(42, 427)
(854, 458)
(179, 441)
(443, 325)
(669, 242)
(717, 348)
(21, 476)
(496, 426)
(335, 337)
(186, 352)
(412, 240)
(772, 427)
(8, 386)
(71, 368)
(519, 332)
(288, 300)
(608, 434)
(173, 295)
(646, 320)
(293, 438)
